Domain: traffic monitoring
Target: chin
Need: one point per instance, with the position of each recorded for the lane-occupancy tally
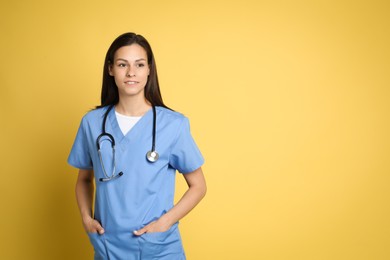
(132, 93)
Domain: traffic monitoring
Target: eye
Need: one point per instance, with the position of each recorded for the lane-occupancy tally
(140, 65)
(122, 65)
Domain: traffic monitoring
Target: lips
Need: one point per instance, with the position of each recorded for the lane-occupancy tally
(131, 82)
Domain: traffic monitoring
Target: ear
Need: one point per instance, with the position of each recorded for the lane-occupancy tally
(110, 69)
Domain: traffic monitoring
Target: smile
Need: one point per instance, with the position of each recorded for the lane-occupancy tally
(131, 82)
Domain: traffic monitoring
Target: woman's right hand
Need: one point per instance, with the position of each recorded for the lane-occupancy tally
(92, 226)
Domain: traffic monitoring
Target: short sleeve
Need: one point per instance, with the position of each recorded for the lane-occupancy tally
(185, 155)
(79, 156)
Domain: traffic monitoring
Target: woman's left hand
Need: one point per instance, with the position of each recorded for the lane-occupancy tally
(155, 226)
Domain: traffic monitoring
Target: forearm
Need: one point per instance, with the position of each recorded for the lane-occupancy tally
(84, 197)
(189, 200)
(196, 191)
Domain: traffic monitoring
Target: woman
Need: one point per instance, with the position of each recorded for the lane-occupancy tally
(133, 163)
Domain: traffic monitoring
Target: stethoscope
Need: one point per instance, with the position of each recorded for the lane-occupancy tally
(151, 156)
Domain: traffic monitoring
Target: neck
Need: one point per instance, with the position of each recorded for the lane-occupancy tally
(132, 107)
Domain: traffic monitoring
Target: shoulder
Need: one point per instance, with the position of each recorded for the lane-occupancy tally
(94, 114)
(93, 117)
(174, 119)
(170, 114)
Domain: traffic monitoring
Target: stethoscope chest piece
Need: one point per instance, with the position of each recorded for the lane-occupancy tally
(152, 156)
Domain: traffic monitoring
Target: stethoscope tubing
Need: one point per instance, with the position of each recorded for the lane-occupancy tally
(152, 156)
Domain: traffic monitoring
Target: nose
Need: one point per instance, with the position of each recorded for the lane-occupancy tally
(130, 72)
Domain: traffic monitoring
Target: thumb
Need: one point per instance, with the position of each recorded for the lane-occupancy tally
(139, 232)
(99, 228)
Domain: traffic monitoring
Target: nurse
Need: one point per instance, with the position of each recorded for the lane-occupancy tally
(134, 214)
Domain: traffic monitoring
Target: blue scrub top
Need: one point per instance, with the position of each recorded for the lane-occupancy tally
(145, 191)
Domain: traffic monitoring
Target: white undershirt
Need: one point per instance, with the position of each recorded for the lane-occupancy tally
(126, 122)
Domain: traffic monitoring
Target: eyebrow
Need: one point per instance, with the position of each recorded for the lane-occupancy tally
(120, 59)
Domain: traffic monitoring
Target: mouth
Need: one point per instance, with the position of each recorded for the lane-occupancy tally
(131, 82)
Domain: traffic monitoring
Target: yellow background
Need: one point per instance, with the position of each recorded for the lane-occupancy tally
(288, 101)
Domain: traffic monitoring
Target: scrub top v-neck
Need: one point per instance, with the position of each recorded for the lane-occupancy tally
(134, 131)
(145, 191)
(126, 122)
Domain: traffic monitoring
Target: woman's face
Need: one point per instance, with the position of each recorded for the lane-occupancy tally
(130, 70)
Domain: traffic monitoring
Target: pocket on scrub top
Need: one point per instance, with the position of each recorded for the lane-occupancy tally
(99, 247)
(162, 245)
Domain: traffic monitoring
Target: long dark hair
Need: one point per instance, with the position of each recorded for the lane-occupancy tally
(110, 95)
